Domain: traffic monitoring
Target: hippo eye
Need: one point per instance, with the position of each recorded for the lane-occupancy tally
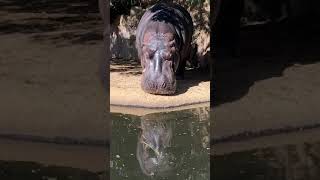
(150, 53)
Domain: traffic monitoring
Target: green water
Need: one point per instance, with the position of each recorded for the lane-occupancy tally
(299, 161)
(172, 145)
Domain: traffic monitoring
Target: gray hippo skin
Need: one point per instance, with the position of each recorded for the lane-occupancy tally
(163, 41)
(153, 148)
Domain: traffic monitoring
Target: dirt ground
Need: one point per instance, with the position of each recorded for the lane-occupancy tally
(49, 56)
(292, 99)
(274, 84)
(125, 88)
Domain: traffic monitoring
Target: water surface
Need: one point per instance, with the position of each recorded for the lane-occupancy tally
(169, 145)
(290, 161)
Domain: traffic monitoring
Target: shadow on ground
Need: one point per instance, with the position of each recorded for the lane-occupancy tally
(193, 77)
(265, 52)
(56, 21)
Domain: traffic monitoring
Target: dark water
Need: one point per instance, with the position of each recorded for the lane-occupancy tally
(18, 170)
(172, 145)
(300, 161)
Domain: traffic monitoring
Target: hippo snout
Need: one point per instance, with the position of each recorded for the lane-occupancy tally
(158, 76)
(158, 84)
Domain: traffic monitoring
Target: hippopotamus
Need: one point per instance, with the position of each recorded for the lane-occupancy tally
(153, 146)
(163, 42)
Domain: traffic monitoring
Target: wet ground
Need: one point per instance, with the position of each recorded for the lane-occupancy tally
(169, 145)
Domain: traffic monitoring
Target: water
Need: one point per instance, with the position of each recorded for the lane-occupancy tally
(291, 161)
(172, 145)
(17, 170)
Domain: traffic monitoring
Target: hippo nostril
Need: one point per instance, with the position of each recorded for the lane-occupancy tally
(163, 85)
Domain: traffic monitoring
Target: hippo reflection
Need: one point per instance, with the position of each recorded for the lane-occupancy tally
(163, 41)
(152, 148)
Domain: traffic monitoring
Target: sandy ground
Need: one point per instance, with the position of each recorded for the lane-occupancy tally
(138, 111)
(274, 84)
(49, 57)
(289, 100)
(125, 89)
(48, 71)
(46, 94)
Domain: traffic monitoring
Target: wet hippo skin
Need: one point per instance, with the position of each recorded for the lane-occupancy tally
(163, 42)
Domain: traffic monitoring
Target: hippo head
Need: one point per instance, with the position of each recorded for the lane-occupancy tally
(153, 149)
(159, 61)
